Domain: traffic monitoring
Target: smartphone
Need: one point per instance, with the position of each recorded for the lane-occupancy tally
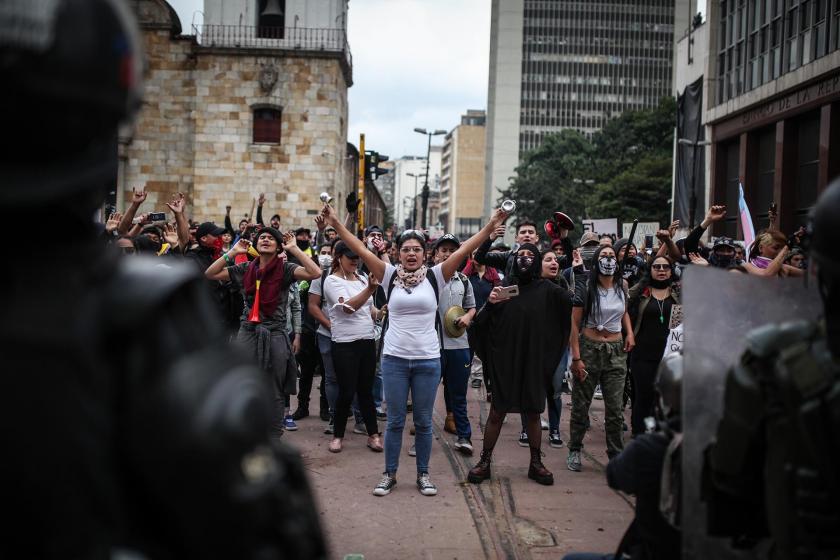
(157, 216)
(649, 241)
(507, 292)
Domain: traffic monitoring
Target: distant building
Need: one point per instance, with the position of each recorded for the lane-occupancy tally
(571, 64)
(409, 176)
(462, 176)
(253, 100)
(764, 78)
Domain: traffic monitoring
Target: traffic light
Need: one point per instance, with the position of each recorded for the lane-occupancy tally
(372, 161)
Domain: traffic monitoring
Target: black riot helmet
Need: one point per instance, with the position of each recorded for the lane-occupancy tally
(668, 385)
(822, 241)
(71, 74)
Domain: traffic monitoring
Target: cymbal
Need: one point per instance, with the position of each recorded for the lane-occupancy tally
(450, 324)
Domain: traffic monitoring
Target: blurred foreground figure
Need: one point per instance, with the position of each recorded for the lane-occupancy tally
(772, 477)
(129, 428)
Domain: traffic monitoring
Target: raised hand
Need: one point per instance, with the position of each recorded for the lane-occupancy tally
(227, 210)
(663, 235)
(170, 235)
(240, 248)
(178, 204)
(138, 197)
(697, 259)
(261, 199)
(321, 222)
(330, 215)
(672, 229)
(113, 222)
(577, 260)
(498, 218)
(289, 241)
(498, 232)
(716, 213)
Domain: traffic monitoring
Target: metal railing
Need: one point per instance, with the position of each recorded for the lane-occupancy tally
(286, 38)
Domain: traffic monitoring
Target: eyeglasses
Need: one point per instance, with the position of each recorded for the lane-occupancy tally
(408, 250)
(661, 266)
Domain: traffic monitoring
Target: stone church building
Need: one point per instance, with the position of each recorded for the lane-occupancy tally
(252, 100)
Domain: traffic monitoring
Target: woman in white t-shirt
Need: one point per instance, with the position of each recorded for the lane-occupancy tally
(411, 346)
(349, 297)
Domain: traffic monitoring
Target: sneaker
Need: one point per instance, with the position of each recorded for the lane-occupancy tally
(385, 485)
(554, 440)
(523, 439)
(598, 396)
(573, 461)
(330, 429)
(412, 451)
(476, 383)
(543, 423)
(424, 484)
(464, 445)
(300, 413)
(289, 423)
(380, 413)
(360, 428)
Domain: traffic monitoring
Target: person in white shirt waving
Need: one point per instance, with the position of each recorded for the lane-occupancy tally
(411, 351)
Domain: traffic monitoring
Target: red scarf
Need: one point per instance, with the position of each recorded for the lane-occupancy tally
(271, 281)
(490, 273)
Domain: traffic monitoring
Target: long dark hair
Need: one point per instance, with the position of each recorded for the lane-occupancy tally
(644, 282)
(592, 303)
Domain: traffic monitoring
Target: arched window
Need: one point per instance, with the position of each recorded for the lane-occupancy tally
(267, 125)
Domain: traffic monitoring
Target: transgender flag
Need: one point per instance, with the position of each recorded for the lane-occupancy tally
(746, 218)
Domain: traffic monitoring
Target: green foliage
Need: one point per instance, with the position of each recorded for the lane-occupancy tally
(623, 172)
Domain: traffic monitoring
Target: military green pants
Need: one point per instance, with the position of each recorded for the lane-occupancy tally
(606, 363)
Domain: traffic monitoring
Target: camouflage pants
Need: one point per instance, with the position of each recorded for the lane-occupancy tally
(606, 363)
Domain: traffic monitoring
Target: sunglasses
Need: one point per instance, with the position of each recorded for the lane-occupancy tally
(661, 266)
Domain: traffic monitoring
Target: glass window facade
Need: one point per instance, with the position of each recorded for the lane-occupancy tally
(759, 40)
(584, 62)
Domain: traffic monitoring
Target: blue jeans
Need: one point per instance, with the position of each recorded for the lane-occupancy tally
(422, 377)
(455, 365)
(330, 379)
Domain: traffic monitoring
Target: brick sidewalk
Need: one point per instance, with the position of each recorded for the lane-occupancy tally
(509, 516)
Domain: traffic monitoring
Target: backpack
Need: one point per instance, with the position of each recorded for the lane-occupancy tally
(438, 325)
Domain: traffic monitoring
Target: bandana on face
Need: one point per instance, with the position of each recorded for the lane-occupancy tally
(528, 268)
(607, 265)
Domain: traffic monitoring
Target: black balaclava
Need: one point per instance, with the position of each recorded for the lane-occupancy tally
(303, 244)
(527, 271)
(721, 261)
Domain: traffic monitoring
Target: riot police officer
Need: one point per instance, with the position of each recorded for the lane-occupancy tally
(129, 428)
(772, 475)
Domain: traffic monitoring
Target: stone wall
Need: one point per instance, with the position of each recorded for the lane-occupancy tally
(194, 132)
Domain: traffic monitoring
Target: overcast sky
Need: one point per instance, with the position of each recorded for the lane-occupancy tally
(416, 63)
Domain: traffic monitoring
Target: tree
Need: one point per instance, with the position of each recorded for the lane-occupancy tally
(623, 172)
(545, 179)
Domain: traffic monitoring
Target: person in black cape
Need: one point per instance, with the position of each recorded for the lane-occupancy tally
(520, 342)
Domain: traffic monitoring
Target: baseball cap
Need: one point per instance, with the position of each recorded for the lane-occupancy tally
(372, 229)
(723, 242)
(208, 228)
(588, 237)
(447, 238)
(341, 248)
(301, 230)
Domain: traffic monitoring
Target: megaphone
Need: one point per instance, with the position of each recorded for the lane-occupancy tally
(509, 206)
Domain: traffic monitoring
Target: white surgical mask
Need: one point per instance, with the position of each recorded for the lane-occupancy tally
(325, 261)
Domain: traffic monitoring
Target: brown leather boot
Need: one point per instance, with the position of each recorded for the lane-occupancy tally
(481, 471)
(449, 424)
(537, 471)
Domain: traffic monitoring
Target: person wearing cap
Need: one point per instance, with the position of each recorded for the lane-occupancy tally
(349, 302)
(526, 232)
(303, 238)
(266, 281)
(455, 356)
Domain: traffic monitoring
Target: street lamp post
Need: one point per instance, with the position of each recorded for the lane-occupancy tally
(428, 156)
(693, 198)
(414, 200)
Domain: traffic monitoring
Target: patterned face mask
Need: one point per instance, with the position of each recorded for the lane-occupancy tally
(607, 265)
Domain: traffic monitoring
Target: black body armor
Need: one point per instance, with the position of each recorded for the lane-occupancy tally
(772, 477)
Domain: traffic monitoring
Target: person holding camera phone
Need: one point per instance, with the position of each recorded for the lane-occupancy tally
(520, 336)
(598, 352)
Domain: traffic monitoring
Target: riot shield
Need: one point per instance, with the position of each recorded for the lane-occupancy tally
(720, 308)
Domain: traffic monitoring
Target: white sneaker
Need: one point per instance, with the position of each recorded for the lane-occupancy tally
(543, 423)
(360, 428)
(424, 484)
(385, 485)
(412, 451)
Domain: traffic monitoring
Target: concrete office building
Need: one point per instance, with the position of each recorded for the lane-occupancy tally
(770, 106)
(409, 173)
(571, 64)
(462, 176)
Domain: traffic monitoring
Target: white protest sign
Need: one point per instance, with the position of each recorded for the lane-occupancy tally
(608, 226)
(676, 337)
(644, 228)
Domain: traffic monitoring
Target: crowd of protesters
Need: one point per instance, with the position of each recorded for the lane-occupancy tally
(385, 320)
